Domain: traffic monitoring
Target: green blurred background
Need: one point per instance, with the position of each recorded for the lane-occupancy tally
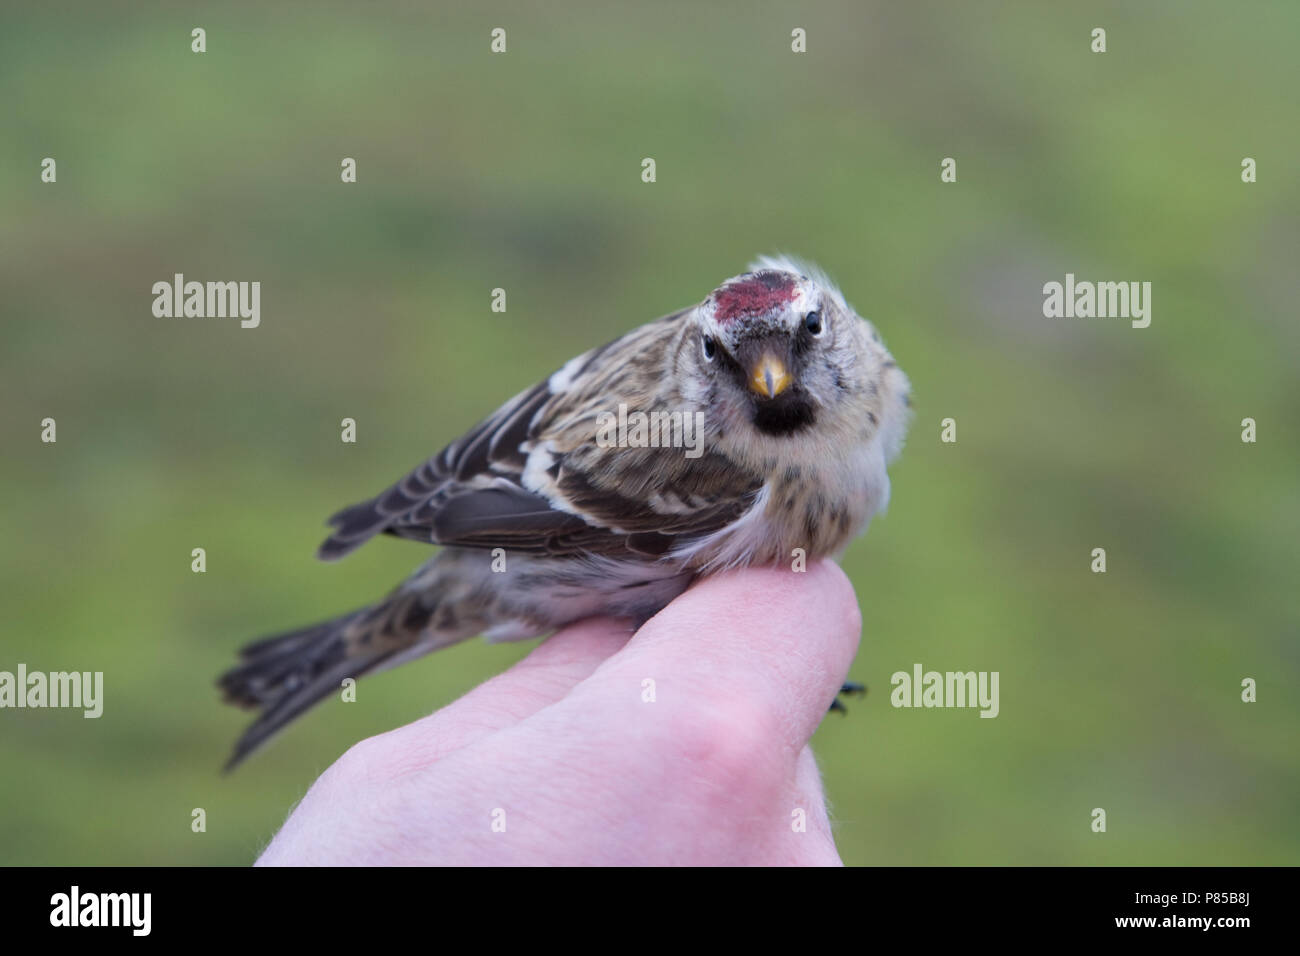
(522, 171)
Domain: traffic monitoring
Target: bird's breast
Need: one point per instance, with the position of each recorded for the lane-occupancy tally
(808, 510)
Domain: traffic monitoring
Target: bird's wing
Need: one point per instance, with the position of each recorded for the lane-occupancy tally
(532, 477)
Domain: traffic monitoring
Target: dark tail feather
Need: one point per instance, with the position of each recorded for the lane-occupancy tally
(286, 674)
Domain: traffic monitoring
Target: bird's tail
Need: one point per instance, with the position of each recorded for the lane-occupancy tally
(284, 675)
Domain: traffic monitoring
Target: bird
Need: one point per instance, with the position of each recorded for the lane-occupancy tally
(545, 514)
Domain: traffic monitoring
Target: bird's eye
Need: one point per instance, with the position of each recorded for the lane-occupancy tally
(813, 322)
(710, 348)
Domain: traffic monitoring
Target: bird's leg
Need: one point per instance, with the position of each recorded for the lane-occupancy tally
(836, 706)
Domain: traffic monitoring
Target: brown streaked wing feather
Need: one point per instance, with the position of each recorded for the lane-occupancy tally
(406, 509)
(471, 493)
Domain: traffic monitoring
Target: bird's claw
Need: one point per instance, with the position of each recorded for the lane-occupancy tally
(849, 688)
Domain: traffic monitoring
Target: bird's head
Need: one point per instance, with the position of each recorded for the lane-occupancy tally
(783, 349)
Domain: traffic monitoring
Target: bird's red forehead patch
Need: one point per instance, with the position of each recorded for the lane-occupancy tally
(754, 294)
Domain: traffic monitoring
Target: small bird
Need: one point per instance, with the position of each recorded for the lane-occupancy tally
(547, 514)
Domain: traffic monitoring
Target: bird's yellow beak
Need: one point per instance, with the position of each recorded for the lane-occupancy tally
(769, 377)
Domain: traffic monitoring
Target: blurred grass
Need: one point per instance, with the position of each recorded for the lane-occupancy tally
(522, 171)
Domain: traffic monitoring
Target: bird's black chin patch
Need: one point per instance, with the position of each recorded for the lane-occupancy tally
(790, 412)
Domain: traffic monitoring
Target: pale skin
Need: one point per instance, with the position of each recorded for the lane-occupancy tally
(565, 749)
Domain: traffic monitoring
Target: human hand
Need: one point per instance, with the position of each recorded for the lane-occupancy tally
(562, 760)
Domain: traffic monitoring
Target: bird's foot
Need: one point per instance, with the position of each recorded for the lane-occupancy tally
(857, 689)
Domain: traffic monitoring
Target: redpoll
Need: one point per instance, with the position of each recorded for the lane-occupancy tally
(753, 428)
